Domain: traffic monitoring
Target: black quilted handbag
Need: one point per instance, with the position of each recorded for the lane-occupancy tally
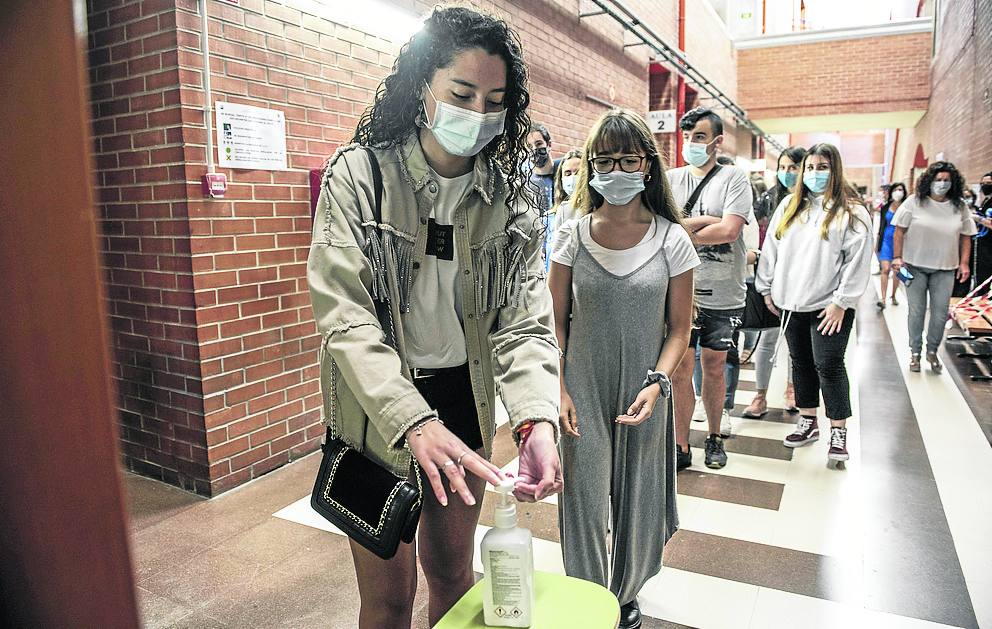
(370, 504)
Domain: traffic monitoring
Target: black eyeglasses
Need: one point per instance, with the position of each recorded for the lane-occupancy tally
(628, 163)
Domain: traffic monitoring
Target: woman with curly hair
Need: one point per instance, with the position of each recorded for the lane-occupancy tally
(933, 241)
(426, 282)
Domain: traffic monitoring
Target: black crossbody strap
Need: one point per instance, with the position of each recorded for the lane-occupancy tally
(699, 189)
(376, 185)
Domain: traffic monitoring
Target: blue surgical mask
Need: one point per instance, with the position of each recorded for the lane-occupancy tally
(695, 153)
(940, 188)
(568, 184)
(618, 187)
(816, 180)
(463, 132)
(787, 179)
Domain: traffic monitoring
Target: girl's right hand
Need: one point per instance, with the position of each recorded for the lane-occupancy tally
(771, 305)
(439, 451)
(567, 418)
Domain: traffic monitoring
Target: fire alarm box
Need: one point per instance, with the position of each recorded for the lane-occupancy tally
(214, 185)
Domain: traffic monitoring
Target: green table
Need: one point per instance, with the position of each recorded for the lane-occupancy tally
(560, 603)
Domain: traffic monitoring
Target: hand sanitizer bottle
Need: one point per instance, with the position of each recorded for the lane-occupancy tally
(508, 565)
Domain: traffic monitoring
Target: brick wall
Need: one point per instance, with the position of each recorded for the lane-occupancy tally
(877, 74)
(138, 142)
(959, 120)
(214, 335)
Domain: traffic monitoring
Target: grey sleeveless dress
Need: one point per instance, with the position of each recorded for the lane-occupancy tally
(623, 473)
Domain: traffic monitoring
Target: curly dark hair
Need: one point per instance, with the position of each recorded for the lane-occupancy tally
(924, 183)
(395, 110)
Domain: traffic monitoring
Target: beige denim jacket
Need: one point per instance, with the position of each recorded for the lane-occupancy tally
(369, 400)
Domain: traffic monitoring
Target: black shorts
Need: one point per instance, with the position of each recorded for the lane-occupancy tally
(715, 329)
(450, 394)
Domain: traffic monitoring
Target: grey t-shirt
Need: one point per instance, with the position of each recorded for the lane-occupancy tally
(720, 278)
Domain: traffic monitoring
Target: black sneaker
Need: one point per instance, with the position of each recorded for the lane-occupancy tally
(683, 459)
(716, 457)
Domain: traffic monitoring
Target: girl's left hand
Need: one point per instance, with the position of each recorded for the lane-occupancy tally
(833, 320)
(642, 407)
(964, 272)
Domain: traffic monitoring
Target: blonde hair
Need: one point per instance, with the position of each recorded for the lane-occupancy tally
(839, 197)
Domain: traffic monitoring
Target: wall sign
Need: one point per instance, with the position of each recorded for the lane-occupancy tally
(662, 121)
(250, 137)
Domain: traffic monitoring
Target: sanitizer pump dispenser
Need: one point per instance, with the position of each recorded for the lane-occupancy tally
(508, 564)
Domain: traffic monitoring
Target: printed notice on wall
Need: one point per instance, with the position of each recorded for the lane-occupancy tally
(662, 121)
(251, 137)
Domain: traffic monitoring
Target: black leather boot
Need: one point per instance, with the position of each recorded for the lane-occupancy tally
(630, 615)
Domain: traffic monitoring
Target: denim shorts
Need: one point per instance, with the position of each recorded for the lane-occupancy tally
(714, 329)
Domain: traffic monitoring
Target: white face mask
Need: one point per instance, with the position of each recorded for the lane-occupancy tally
(897, 195)
(696, 153)
(618, 187)
(460, 131)
(568, 184)
(940, 188)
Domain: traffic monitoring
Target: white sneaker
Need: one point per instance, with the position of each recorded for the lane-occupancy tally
(726, 428)
(699, 415)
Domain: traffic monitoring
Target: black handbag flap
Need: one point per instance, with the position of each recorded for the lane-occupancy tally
(367, 502)
(365, 498)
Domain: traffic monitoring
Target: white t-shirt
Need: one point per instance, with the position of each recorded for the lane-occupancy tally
(679, 251)
(435, 302)
(563, 214)
(933, 232)
(720, 277)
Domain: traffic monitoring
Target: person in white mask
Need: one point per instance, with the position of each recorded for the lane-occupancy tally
(621, 281)
(933, 241)
(568, 174)
(884, 240)
(815, 266)
(439, 301)
(716, 204)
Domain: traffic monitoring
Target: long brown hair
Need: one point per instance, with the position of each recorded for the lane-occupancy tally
(839, 197)
(623, 131)
(560, 194)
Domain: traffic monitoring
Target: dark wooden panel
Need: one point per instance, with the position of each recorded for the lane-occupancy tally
(64, 559)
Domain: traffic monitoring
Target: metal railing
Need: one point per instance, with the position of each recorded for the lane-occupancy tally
(617, 10)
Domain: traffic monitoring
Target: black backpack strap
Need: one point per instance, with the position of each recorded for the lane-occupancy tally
(382, 310)
(699, 189)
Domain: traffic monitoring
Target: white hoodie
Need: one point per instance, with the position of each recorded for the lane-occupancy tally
(805, 273)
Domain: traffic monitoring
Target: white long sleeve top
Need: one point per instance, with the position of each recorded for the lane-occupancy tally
(805, 273)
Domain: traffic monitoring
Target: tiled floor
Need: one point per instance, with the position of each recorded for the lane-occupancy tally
(899, 538)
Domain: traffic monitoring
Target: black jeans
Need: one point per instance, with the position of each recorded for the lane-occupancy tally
(818, 363)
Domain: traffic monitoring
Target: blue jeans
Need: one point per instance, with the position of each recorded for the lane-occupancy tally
(937, 284)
